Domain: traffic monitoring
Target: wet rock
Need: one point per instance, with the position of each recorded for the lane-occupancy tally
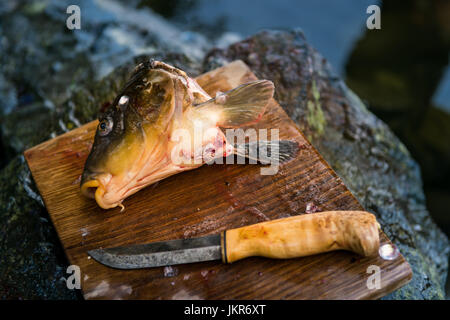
(32, 264)
(372, 162)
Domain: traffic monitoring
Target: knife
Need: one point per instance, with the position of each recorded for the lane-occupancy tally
(292, 237)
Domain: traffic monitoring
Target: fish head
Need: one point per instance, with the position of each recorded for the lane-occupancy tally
(149, 132)
(134, 129)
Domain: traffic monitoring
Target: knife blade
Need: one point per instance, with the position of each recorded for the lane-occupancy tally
(163, 253)
(284, 238)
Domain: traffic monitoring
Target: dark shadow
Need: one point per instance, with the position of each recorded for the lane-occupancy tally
(397, 70)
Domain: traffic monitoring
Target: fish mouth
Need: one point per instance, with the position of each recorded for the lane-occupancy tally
(89, 188)
(94, 189)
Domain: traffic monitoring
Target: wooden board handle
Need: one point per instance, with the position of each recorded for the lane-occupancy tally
(303, 235)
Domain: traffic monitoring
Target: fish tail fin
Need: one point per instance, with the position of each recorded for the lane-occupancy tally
(265, 151)
(242, 105)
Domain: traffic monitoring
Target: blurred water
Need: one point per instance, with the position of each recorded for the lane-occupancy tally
(332, 27)
(442, 95)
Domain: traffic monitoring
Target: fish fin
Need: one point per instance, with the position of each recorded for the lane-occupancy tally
(242, 105)
(283, 150)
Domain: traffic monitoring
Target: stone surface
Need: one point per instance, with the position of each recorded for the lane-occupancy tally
(32, 263)
(55, 80)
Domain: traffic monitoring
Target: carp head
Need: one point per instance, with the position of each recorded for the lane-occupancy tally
(136, 137)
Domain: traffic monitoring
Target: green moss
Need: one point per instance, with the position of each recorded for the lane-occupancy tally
(315, 116)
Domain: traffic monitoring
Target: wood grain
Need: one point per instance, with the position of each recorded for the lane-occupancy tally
(304, 235)
(205, 201)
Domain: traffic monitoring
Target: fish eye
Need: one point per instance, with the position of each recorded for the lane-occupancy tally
(105, 126)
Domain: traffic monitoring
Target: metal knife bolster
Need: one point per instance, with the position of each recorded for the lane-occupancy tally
(223, 246)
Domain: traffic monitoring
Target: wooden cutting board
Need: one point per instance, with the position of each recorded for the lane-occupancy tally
(205, 201)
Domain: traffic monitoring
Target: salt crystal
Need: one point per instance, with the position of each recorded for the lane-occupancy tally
(84, 232)
(204, 273)
(170, 272)
(311, 207)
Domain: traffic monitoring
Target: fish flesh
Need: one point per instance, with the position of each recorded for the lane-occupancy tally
(163, 123)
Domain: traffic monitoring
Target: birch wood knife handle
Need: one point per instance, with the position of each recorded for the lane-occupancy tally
(303, 235)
